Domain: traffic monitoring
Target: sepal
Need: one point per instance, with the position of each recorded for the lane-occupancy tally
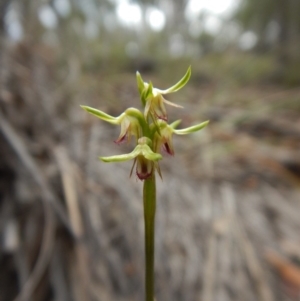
(140, 82)
(179, 85)
(101, 115)
(191, 129)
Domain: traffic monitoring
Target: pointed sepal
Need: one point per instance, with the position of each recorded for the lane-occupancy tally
(191, 129)
(178, 85)
(101, 115)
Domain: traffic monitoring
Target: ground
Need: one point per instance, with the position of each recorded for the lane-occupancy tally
(228, 205)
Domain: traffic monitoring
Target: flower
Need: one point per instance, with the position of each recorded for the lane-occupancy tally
(151, 130)
(144, 167)
(131, 122)
(153, 100)
(144, 159)
(164, 137)
(129, 127)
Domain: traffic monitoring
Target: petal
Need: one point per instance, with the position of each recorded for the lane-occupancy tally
(149, 90)
(172, 104)
(158, 108)
(147, 93)
(122, 138)
(124, 134)
(147, 108)
(168, 148)
(160, 111)
(155, 107)
(166, 140)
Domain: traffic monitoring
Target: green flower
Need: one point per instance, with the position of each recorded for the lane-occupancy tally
(131, 122)
(144, 159)
(150, 129)
(153, 100)
(164, 138)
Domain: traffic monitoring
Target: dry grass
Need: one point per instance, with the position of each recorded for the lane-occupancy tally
(72, 227)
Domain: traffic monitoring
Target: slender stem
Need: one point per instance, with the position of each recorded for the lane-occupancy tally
(149, 196)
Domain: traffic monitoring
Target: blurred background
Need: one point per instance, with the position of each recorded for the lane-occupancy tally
(228, 212)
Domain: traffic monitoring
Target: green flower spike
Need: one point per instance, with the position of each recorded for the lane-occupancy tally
(164, 139)
(152, 133)
(131, 122)
(144, 159)
(153, 100)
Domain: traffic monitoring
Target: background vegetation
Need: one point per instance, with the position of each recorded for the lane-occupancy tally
(228, 206)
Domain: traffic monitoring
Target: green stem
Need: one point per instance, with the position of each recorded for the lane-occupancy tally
(149, 196)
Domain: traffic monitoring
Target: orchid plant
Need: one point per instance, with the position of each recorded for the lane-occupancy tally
(153, 136)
